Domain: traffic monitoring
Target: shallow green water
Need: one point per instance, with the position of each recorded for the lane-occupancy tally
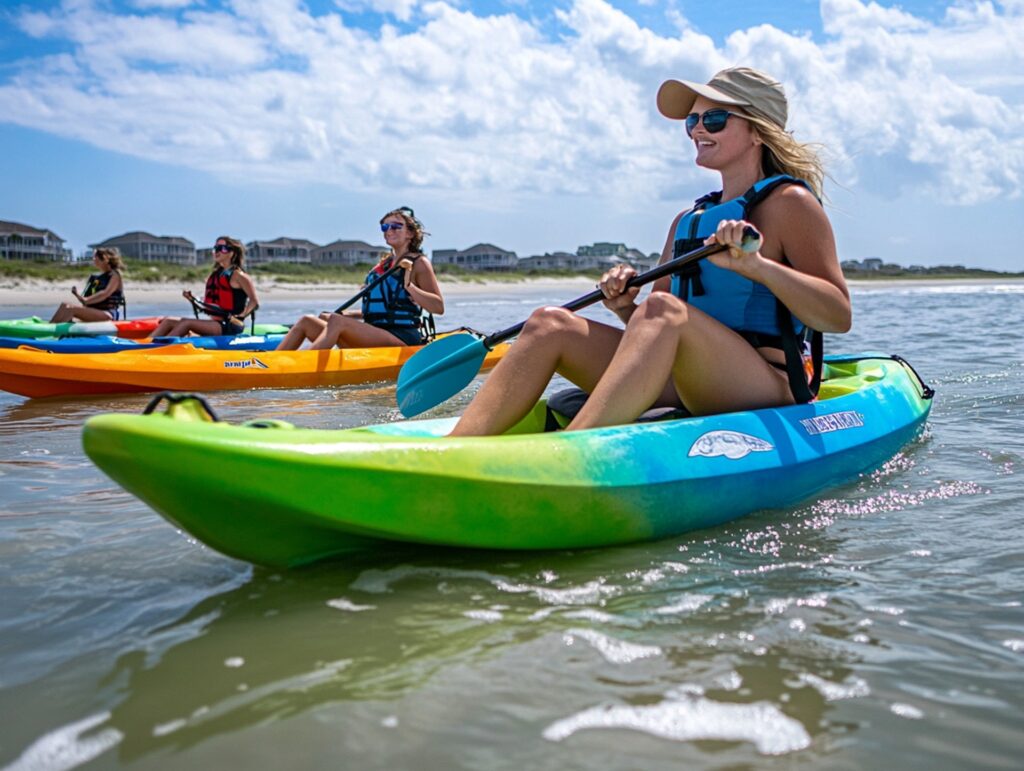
(878, 626)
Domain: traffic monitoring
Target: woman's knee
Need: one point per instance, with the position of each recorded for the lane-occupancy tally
(662, 307)
(552, 320)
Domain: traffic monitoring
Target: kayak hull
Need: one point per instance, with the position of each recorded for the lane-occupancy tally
(311, 494)
(111, 344)
(34, 327)
(40, 374)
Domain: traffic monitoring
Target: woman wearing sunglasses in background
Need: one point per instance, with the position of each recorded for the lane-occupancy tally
(228, 287)
(730, 333)
(393, 310)
(104, 292)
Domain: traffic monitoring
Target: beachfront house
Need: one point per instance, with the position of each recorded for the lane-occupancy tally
(486, 257)
(139, 245)
(297, 250)
(349, 253)
(564, 261)
(24, 242)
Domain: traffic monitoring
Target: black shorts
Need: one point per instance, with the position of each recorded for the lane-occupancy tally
(230, 328)
(408, 335)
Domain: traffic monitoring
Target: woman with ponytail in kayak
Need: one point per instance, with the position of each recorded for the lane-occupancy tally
(104, 292)
(394, 305)
(228, 288)
(727, 335)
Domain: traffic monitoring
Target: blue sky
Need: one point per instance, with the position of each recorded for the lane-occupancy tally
(525, 124)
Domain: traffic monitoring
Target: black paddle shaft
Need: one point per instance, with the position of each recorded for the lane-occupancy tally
(362, 292)
(750, 237)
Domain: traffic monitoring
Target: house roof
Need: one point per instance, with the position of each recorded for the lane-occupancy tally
(17, 227)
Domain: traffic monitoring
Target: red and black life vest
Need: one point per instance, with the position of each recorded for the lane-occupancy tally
(219, 292)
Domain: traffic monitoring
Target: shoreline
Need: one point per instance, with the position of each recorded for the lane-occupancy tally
(48, 294)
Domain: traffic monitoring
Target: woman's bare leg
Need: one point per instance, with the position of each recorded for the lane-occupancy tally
(85, 313)
(196, 326)
(306, 328)
(553, 340)
(708, 368)
(64, 312)
(350, 332)
(163, 329)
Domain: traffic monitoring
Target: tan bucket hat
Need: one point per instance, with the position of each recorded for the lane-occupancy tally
(757, 93)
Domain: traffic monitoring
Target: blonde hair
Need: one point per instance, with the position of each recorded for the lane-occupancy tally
(237, 250)
(414, 225)
(111, 256)
(781, 154)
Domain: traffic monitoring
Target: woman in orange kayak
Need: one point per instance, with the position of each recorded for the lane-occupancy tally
(104, 292)
(228, 288)
(393, 308)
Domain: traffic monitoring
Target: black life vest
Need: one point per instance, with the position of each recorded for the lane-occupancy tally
(219, 292)
(97, 283)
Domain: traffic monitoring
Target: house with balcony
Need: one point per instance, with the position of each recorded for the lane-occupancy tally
(485, 257)
(24, 242)
(617, 252)
(349, 253)
(140, 245)
(282, 249)
(564, 261)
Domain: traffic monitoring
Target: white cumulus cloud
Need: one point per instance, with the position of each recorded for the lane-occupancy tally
(470, 102)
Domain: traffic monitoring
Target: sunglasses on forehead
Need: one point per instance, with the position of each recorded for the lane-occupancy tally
(713, 120)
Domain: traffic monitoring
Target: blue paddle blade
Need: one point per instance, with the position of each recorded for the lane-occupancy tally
(438, 372)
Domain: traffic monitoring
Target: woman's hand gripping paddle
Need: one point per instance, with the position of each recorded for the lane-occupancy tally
(362, 292)
(446, 366)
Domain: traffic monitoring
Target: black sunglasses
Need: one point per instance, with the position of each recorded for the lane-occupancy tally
(222, 249)
(713, 120)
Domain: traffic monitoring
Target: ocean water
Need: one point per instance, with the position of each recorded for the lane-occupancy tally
(879, 625)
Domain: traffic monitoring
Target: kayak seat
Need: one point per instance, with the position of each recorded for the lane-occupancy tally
(563, 406)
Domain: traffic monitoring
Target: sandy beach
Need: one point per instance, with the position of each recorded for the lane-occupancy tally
(46, 294)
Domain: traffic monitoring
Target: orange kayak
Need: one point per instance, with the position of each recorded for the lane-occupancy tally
(30, 372)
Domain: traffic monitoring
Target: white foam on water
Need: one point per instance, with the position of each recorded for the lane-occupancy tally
(65, 748)
(380, 581)
(850, 688)
(613, 650)
(907, 711)
(688, 604)
(695, 719)
(484, 615)
(343, 603)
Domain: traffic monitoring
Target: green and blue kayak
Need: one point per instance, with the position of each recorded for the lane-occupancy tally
(33, 327)
(313, 494)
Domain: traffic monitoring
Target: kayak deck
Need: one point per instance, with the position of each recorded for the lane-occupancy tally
(311, 494)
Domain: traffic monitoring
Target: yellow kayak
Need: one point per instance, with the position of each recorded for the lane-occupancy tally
(34, 373)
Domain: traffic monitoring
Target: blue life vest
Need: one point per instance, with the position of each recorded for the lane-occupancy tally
(97, 283)
(388, 304)
(737, 302)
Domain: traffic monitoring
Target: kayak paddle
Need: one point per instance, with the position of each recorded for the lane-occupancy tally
(449, 364)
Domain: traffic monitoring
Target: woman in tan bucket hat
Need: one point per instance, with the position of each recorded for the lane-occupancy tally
(738, 330)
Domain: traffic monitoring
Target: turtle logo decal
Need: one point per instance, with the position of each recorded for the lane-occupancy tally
(732, 444)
